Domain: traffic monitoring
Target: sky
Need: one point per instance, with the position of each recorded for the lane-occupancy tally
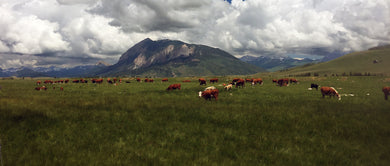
(67, 33)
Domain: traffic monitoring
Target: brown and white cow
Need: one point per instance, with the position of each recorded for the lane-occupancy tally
(257, 81)
(209, 94)
(174, 86)
(329, 91)
(386, 91)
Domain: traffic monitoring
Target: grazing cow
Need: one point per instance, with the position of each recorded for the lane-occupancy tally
(76, 81)
(174, 86)
(98, 81)
(386, 91)
(186, 81)
(293, 80)
(240, 82)
(235, 80)
(66, 81)
(210, 88)
(39, 82)
(214, 80)
(202, 81)
(330, 91)
(248, 80)
(283, 82)
(257, 81)
(208, 94)
(274, 80)
(41, 88)
(138, 79)
(228, 87)
(164, 80)
(314, 86)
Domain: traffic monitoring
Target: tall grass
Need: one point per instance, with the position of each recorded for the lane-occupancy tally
(143, 124)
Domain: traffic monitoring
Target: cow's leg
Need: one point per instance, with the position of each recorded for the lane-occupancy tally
(386, 96)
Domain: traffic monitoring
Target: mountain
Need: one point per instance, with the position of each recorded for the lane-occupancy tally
(171, 58)
(52, 71)
(275, 64)
(374, 61)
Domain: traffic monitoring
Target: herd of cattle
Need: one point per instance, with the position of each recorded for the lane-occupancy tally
(209, 92)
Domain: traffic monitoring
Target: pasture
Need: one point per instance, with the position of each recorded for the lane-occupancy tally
(143, 124)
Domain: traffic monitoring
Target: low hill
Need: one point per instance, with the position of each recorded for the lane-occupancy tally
(372, 61)
(170, 58)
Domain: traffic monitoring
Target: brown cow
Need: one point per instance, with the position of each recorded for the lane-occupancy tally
(164, 80)
(138, 79)
(330, 91)
(386, 91)
(240, 82)
(293, 80)
(40, 88)
(274, 80)
(39, 82)
(257, 81)
(186, 81)
(202, 81)
(174, 86)
(208, 94)
(214, 80)
(283, 82)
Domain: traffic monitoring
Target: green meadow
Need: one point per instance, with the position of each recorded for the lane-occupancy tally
(143, 124)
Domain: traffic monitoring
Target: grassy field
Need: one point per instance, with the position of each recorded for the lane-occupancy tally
(143, 124)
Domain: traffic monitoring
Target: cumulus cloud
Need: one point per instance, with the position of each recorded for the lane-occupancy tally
(84, 31)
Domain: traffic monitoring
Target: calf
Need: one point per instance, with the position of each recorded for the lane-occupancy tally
(314, 86)
(228, 87)
(386, 91)
(330, 91)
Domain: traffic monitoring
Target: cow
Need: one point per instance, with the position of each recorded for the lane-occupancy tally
(283, 82)
(62, 88)
(293, 80)
(208, 94)
(314, 86)
(330, 91)
(257, 81)
(40, 88)
(202, 81)
(248, 80)
(210, 88)
(138, 79)
(164, 80)
(174, 86)
(240, 82)
(386, 91)
(97, 81)
(235, 80)
(228, 87)
(214, 80)
(274, 80)
(76, 81)
(66, 81)
(39, 82)
(186, 81)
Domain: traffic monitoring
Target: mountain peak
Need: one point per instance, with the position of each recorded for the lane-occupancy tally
(164, 57)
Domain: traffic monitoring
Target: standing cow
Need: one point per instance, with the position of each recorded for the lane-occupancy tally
(329, 91)
(202, 81)
(386, 91)
(314, 86)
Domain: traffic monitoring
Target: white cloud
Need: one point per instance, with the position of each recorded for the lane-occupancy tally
(104, 29)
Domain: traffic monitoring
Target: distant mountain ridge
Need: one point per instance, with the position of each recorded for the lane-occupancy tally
(275, 64)
(171, 58)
